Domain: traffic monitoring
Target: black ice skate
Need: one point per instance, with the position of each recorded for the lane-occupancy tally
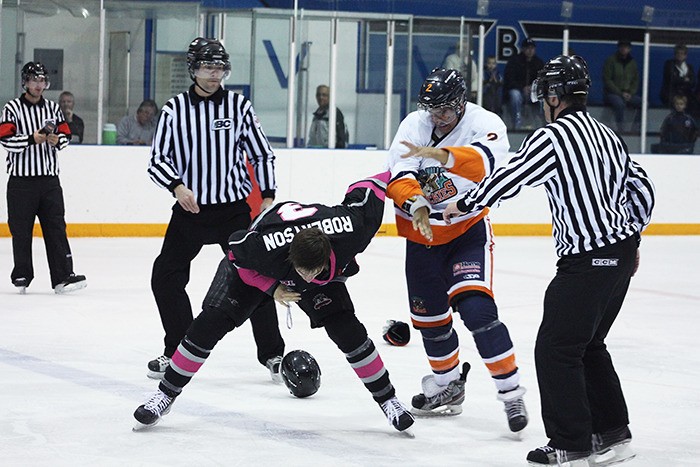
(547, 455)
(21, 283)
(150, 413)
(157, 367)
(440, 400)
(612, 447)
(274, 364)
(398, 415)
(72, 283)
(514, 408)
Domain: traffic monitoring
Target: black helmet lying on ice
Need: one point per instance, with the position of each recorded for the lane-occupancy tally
(34, 70)
(204, 50)
(301, 373)
(562, 76)
(442, 88)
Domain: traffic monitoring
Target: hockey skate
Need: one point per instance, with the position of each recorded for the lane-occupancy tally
(21, 283)
(611, 447)
(274, 364)
(547, 455)
(437, 400)
(514, 408)
(398, 414)
(72, 283)
(157, 367)
(151, 412)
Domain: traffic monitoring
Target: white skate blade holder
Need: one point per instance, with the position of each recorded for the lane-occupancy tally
(617, 454)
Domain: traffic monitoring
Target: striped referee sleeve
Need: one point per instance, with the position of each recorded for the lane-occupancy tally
(258, 150)
(161, 168)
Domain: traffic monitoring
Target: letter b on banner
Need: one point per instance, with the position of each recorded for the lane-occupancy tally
(507, 43)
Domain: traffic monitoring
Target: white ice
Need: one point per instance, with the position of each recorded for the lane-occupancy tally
(73, 369)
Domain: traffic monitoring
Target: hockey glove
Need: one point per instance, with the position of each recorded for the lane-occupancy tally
(396, 333)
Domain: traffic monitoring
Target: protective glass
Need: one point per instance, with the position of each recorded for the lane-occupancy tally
(216, 69)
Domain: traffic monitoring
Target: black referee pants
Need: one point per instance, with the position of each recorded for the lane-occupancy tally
(187, 233)
(579, 389)
(27, 199)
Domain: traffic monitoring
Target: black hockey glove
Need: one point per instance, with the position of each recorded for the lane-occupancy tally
(396, 333)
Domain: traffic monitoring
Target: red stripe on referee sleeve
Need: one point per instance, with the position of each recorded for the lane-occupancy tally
(7, 129)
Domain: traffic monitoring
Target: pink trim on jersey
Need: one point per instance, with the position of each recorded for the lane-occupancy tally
(185, 363)
(372, 368)
(255, 279)
(332, 272)
(378, 192)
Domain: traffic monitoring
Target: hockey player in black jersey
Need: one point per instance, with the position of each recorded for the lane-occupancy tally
(299, 253)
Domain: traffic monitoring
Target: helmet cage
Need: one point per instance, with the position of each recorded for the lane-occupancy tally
(442, 89)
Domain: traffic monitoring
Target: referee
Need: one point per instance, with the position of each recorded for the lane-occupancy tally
(198, 154)
(32, 131)
(600, 200)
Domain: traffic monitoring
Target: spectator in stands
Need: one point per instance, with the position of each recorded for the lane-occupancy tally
(521, 70)
(318, 133)
(678, 130)
(621, 83)
(66, 101)
(464, 62)
(493, 84)
(679, 78)
(139, 129)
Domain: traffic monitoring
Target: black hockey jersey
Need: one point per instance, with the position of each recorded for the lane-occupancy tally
(260, 254)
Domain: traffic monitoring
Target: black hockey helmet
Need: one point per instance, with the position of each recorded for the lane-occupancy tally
(301, 373)
(36, 70)
(562, 76)
(442, 88)
(207, 50)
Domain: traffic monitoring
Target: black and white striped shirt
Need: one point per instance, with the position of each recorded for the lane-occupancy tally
(201, 142)
(597, 194)
(20, 119)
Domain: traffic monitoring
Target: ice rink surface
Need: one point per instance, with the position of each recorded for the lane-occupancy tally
(74, 369)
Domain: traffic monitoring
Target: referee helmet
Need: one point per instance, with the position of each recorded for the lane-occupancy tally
(34, 70)
(562, 76)
(207, 51)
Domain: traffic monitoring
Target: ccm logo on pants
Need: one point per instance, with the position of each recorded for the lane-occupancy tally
(604, 261)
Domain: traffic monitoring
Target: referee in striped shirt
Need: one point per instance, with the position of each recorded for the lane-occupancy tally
(198, 154)
(600, 200)
(32, 131)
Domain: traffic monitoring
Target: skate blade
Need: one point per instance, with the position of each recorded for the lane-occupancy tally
(613, 456)
(407, 433)
(22, 290)
(155, 375)
(63, 289)
(441, 411)
(138, 426)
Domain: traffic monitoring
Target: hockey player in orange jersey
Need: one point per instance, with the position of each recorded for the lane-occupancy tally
(439, 153)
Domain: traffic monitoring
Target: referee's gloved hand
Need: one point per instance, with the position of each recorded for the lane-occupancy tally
(186, 199)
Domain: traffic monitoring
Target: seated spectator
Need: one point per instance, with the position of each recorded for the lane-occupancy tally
(464, 62)
(521, 70)
(621, 83)
(678, 130)
(318, 133)
(66, 101)
(679, 78)
(138, 130)
(493, 82)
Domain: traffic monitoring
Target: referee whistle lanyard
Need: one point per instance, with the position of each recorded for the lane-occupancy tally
(289, 316)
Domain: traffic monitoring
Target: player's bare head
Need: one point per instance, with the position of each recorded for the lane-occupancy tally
(310, 251)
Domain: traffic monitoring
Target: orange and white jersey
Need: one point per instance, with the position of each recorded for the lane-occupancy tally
(477, 146)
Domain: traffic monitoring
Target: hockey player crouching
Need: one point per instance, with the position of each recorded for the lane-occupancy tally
(291, 253)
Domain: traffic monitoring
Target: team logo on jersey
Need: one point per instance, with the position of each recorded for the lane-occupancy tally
(435, 185)
(605, 262)
(222, 124)
(418, 306)
(320, 301)
(467, 269)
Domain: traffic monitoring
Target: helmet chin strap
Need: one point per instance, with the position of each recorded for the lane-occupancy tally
(553, 108)
(205, 91)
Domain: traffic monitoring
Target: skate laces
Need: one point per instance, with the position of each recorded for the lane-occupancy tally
(393, 409)
(515, 407)
(163, 360)
(158, 402)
